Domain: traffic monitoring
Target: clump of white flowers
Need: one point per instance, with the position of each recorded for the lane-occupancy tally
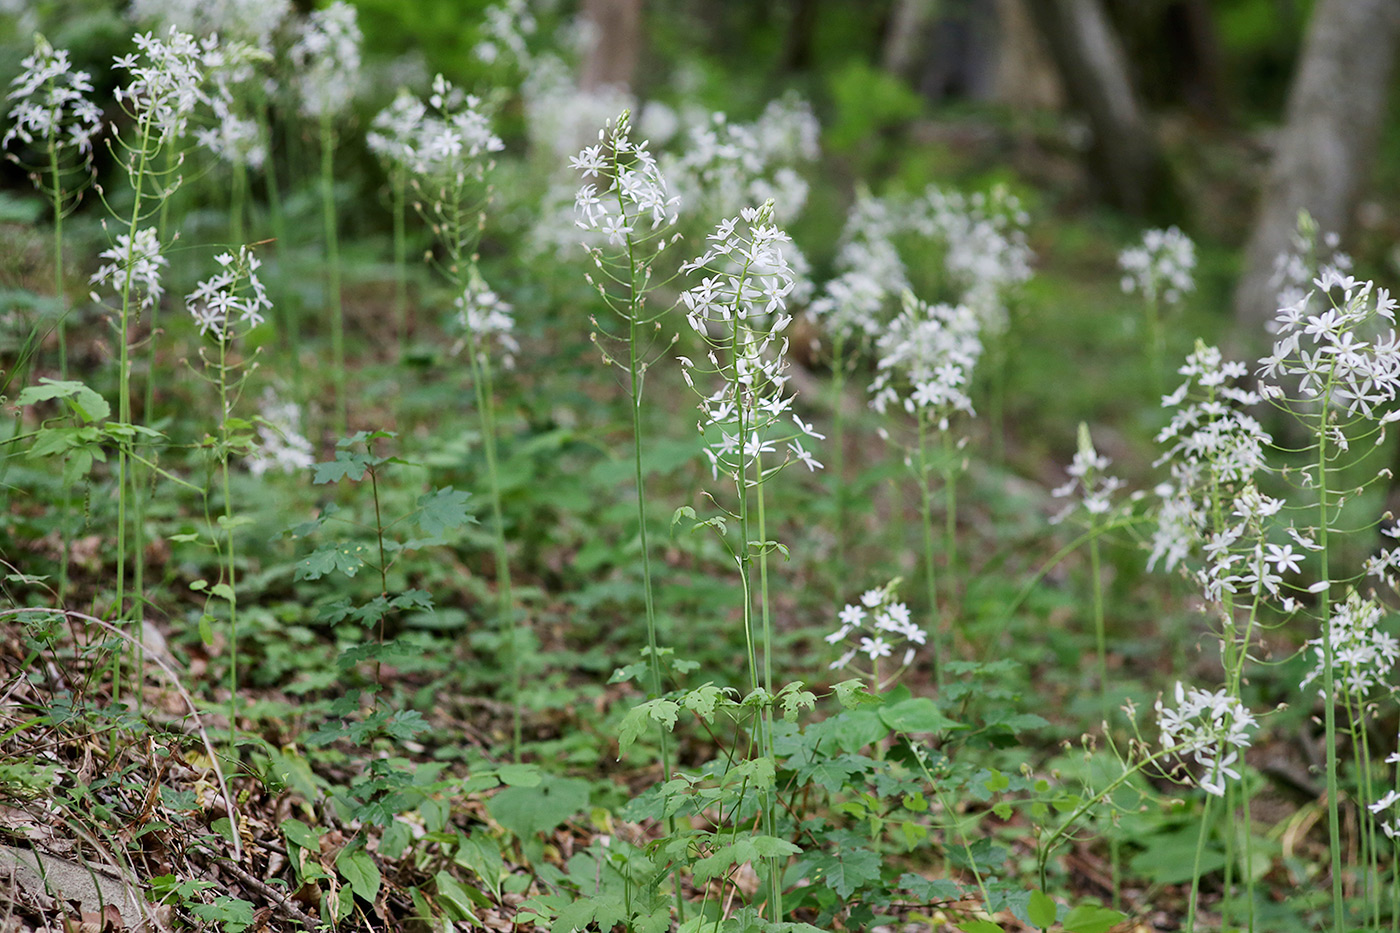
(327, 59)
(393, 134)
(133, 268)
(51, 104)
(982, 236)
(560, 116)
(1337, 345)
(454, 140)
(855, 306)
(1089, 484)
(488, 319)
(281, 444)
(876, 627)
(1209, 727)
(739, 308)
(1309, 250)
(634, 201)
(254, 21)
(1212, 445)
(506, 31)
(926, 358)
(231, 302)
(726, 164)
(166, 84)
(1363, 655)
(1161, 268)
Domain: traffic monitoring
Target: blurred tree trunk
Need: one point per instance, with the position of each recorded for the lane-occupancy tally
(1094, 71)
(1335, 109)
(800, 34)
(1025, 77)
(906, 36)
(617, 35)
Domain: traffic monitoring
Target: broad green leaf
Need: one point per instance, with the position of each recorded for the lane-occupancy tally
(299, 833)
(455, 897)
(831, 774)
(1041, 909)
(853, 693)
(518, 775)
(526, 811)
(1090, 919)
(980, 926)
(915, 715)
(358, 868)
(846, 870)
(84, 401)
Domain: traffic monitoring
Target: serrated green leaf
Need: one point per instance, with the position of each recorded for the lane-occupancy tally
(443, 510)
(526, 811)
(852, 693)
(84, 401)
(846, 870)
(702, 700)
(344, 558)
(640, 718)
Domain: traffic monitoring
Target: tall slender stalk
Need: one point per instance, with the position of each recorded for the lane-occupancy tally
(332, 238)
(930, 574)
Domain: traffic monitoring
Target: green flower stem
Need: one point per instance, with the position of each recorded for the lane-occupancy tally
(930, 575)
(486, 410)
(950, 518)
(58, 285)
(342, 405)
(230, 568)
(775, 869)
(1334, 842)
(838, 434)
(1100, 636)
(398, 182)
(287, 323)
(1196, 870)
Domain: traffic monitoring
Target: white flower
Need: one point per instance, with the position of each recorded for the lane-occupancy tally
(51, 106)
(327, 59)
(133, 267)
(282, 445)
(166, 83)
(1161, 267)
(231, 302)
(878, 626)
(1209, 727)
(487, 318)
(1363, 656)
(925, 361)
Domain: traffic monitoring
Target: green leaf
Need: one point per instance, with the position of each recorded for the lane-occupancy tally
(456, 897)
(684, 511)
(358, 868)
(845, 871)
(640, 718)
(980, 926)
(526, 811)
(917, 714)
(345, 557)
(443, 510)
(832, 774)
(852, 693)
(84, 401)
(702, 701)
(300, 834)
(1041, 909)
(518, 775)
(1087, 918)
(346, 465)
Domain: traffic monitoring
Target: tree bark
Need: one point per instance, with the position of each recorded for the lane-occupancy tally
(1335, 109)
(617, 35)
(1124, 152)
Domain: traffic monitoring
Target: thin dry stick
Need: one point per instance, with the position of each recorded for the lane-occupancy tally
(175, 681)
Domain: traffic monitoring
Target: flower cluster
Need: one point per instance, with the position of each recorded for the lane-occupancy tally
(1088, 479)
(1161, 268)
(635, 193)
(233, 137)
(739, 309)
(487, 319)
(232, 301)
(1363, 656)
(926, 358)
(726, 164)
(454, 138)
(983, 239)
(281, 444)
(254, 21)
(1343, 354)
(166, 82)
(560, 116)
(50, 102)
(1309, 251)
(1211, 445)
(855, 305)
(876, 627)
(133, 267)
(506, 32)
(1210, 727)
(393, 134)
(327, 60)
